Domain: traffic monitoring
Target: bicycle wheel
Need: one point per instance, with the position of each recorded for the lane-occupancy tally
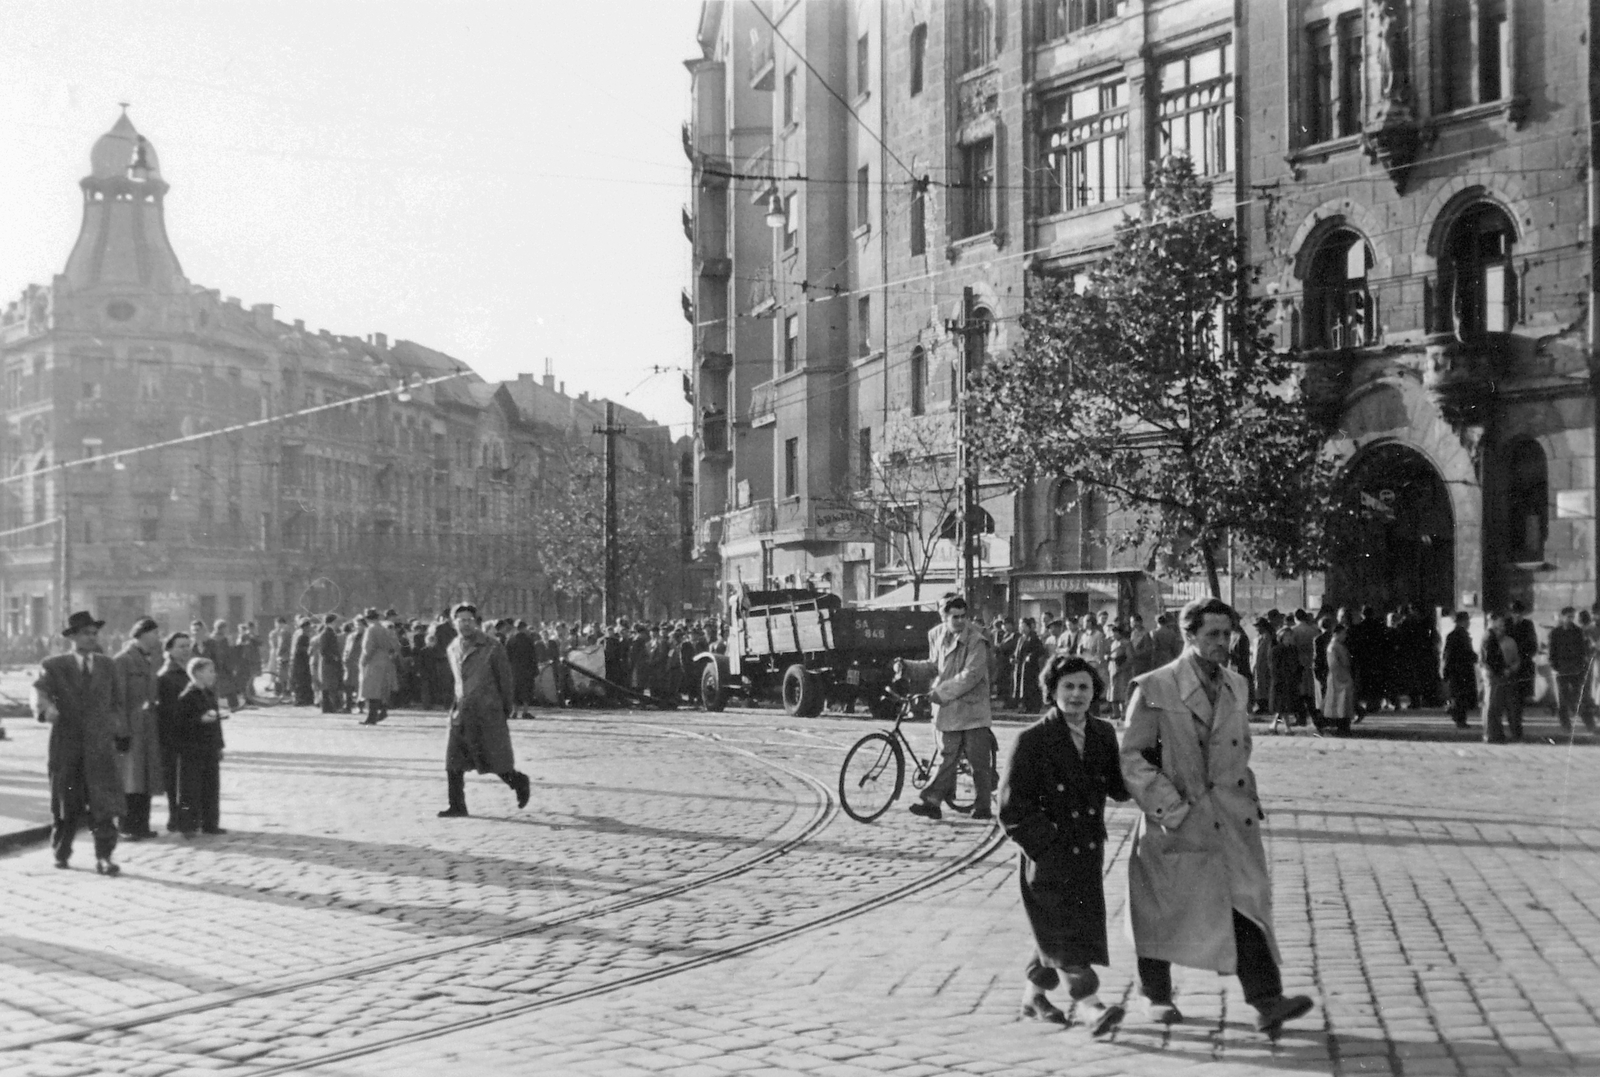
(871, 777)
(965, 794)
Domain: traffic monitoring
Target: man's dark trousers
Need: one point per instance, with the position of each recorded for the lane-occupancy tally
(69, 805)
(1258, 972)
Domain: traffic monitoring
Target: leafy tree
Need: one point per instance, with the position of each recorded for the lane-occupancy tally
(1158, 385)
(570, 532)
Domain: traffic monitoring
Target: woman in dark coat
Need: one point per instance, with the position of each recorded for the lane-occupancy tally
(1285, 702)
(1052, 804)
(300, 665)
(524, 659)
(1026, 661)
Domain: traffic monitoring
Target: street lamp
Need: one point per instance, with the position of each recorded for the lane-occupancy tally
(776, 217)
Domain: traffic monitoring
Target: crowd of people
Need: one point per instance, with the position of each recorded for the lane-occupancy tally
(377, 660)
(1330, 670)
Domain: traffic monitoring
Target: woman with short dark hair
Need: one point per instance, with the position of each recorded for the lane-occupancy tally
(1052, 804)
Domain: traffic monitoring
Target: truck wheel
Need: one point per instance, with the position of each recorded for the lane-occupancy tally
(802, 692)
(712, 695)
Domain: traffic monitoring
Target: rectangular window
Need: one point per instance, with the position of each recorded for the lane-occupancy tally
(919, 222)
(863, 64)
(1456, 67)
(864, 457)
(1197, 108)
(1085, 145)
(208, 609)
(1062, 17)
(791, 467)
(1351, 73)
(977, 25)
(919, 381)
(1491, 49)
(863, 197)
(791, 342)
(864, 325)
(788, 98)
(919, 50)
(977, 188)
(791, 223)
(1318, 121)
(235, 609)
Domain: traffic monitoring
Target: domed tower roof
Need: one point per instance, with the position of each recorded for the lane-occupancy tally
(120, 149)
(123, 243)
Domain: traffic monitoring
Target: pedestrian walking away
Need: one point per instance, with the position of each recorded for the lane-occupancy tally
(480, 738)
(1198, 890)
(143, 769)
(1052, 804)
(80, 695)
(1461, 669)
(957, 674)
(378, 677)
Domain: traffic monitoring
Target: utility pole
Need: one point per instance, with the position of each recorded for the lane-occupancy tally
(608, 598)
(966, 465)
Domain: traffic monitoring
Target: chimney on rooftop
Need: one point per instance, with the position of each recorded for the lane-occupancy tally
(299, 325)
(563, 389)
(263, 315)
(383, 341)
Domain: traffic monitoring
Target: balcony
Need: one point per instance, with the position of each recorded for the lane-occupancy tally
(708, 534)
(755, 519)
(762, 63)
(688, 224)
(763, 297)
(713, 437)
(763, 405)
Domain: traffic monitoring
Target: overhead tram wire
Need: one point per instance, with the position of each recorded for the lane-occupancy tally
(235, 428)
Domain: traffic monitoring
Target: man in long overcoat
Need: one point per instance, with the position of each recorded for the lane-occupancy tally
(955, 676)
(80, 695)
(143, 775)
(354, 633)
(327, 665)
(524, 667)
(300, 664)
(480, 739)
(1461, 669)
(1198, 890)
(378, 679)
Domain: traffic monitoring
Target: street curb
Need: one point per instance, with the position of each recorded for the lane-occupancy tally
(18, 839)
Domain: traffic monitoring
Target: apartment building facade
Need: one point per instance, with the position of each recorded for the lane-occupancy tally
(393, 492)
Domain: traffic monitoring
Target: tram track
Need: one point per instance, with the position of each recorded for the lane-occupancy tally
(823, 812)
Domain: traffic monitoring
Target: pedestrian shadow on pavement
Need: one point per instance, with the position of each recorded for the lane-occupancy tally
(17, 952)
(416, 861)
(1305, 1050)
(340, 766)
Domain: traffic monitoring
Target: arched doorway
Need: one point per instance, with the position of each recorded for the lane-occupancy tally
(1399, 548)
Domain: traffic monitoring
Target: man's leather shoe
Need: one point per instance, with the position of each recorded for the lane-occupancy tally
(524, 790)
(1040, 1008)
(453, 813)
(1162, 1013)
(62, 863)
(212, 830)
(926, 810)
(106, 867)
(1270, 1017)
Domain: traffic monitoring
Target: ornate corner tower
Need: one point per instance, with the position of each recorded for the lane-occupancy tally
(123, 245)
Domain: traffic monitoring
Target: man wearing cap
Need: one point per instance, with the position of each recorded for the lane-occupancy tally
(80, 695)
(143, 775)
(480, 739)
(378, 680)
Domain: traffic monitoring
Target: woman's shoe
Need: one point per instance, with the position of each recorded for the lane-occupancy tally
(1039, 1008)
(107, 868)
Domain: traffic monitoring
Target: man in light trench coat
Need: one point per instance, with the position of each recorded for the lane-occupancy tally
(1198, 890)
(143, 770)
(480, 739)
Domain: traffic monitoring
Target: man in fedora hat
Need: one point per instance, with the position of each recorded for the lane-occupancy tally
(378, 676)
(80, 695)
(479, 740)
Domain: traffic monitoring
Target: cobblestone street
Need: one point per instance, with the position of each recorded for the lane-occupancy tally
(683, 896)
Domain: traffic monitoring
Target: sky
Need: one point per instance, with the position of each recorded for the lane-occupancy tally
(500, 181)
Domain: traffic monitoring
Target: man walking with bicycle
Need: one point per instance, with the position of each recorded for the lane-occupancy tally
(957, 672)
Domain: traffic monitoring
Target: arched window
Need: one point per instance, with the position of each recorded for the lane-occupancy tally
(919, 381)
(1340, 312)
(1527, 502)
(1093, 512)
(1477, 286)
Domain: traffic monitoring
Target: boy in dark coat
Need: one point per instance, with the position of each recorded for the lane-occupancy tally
(1052, 804)
(170, 683)
(199, 767)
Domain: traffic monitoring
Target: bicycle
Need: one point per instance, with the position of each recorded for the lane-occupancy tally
(874, 770)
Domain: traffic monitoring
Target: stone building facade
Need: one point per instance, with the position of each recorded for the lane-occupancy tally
(411, 495)
(1413, 177)
(1425, 216)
